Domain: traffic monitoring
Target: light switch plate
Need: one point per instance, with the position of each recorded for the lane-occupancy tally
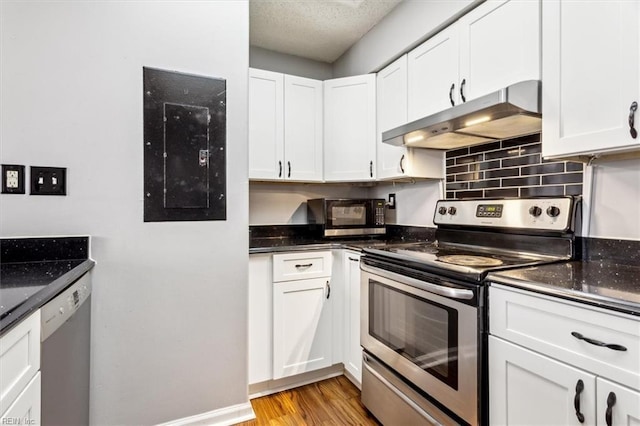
(12, 179)
(48, 181)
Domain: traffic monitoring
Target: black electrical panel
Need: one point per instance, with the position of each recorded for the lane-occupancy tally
(184, 147)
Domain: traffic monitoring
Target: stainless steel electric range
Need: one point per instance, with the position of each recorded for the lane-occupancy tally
(423, 305)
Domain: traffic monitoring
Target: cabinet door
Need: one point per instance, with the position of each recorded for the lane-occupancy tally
(26, 409)
(301, 326)
(303, 128)
(350, 128)
(433, 70)
(391, 97)
(590, 76)
(266, 129)
(353, 351)
(260, 318)
(620, 404)
(499, 45)
(528, 388)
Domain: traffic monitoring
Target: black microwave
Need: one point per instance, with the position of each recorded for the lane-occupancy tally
(345, 217)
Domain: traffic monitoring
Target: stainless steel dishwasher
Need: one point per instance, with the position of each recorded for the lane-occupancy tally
(64, 362)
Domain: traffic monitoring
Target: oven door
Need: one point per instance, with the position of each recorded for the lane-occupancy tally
(426, 332)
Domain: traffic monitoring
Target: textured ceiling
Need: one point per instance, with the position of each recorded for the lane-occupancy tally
(321, 30)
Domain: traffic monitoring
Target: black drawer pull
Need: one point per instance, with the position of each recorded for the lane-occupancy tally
(305, 265)
(289, 164)
(611, 346)
(464, 81)
(328, 290)
(632, 113)
(280, 172)
(353, 259)
(576, 400)
(401, 160)
(453, 86)
(608, 415)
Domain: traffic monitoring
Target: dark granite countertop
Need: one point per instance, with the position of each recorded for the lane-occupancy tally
(598, 282)
(35, 270)
(281, 238)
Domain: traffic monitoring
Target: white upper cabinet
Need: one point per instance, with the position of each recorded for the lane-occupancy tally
(266, 124)
(396, 162)
(285, 127)
(433, 74)
(350, 128)
(303, 128)
(499, 46)
(491, 47)
(591, 76)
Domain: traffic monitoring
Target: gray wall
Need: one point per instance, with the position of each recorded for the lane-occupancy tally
(288, 64)
(170, 299)
(410, 23)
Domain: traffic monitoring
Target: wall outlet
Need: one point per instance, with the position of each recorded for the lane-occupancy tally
(48, 180)
(12, 179)
(392, 202)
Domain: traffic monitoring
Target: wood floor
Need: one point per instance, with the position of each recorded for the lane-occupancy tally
(333, 401)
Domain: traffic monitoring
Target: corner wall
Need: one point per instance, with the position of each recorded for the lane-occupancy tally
(169, 326)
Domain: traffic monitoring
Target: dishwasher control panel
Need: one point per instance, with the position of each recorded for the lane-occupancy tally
(57, 311)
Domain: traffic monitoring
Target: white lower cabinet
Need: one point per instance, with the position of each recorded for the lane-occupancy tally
(532, 389)
(301, 326)
(20, 372)
(352, 350)
(260, 318)
(617, 405)
(544, 371)
(26, 409)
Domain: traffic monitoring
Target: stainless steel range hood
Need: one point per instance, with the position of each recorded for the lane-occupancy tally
(509, 112)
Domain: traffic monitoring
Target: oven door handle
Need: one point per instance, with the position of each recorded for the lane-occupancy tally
(397, 392)
(453, 293)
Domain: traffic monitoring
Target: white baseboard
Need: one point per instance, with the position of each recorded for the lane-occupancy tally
(221, 417)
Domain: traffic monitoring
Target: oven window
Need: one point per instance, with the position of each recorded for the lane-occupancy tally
(424, 332)
(349, 215)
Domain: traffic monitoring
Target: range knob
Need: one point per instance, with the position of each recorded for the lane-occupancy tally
(553, 211)
(535, 211)
(442, 210)
(452, 210)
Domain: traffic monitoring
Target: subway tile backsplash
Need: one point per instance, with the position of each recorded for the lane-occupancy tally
(509, 168)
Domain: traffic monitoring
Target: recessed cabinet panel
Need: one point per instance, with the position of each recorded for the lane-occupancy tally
(266, 125)
(350, 128)
(591, 76)
(433, 74)
(184, 147)
(620, 403)
(532, 389)
(499, 45)
(303, 128)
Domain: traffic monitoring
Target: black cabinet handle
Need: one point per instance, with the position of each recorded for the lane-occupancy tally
(353, 259)
(289, 165)
(280, 172)
(401, 160)
(611, 346)
(632, 113)
(608, 415)
(453, 86)
(328, 290)
(306, 265)
(576, 400)
(464, 81)
(371, 168)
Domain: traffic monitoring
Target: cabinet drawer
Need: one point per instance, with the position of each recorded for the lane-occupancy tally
(301, 266)
(19, 359)
(545, 324)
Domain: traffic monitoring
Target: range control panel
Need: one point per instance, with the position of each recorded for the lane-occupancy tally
(544, 214)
